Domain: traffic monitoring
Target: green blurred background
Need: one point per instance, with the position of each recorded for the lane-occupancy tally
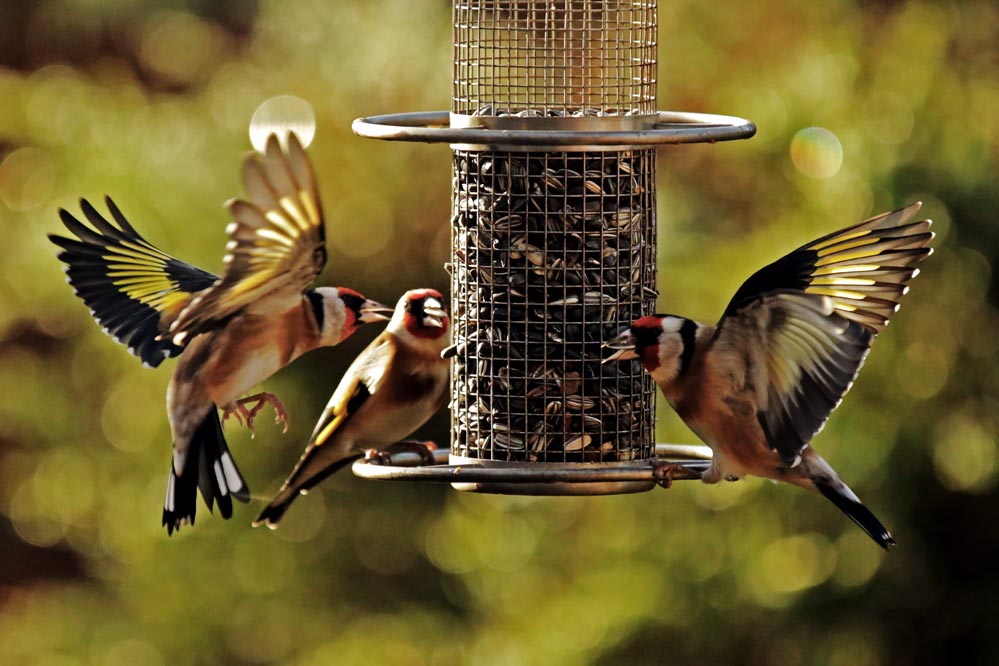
(150, 102)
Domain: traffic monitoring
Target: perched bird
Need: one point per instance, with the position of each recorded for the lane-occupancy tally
(230, 332)
(759, 385)
(392, 388)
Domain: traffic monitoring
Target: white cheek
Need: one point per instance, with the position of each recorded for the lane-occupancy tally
(670, 350)
(336, 316)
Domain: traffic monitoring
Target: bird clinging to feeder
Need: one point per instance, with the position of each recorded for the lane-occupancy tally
(759, 385)
(230, 332)
(392, 388)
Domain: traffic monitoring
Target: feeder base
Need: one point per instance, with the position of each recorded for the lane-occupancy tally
(545, 478)
(507, 478)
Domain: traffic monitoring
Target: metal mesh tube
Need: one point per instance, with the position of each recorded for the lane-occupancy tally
(558, 57)
(553, 253)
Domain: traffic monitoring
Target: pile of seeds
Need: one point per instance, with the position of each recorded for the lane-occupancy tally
(553, 254)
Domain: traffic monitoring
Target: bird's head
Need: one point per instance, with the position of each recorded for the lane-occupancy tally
(663, 343)
(340, 311)
(421, 315)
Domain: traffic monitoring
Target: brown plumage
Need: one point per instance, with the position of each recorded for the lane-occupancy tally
(230, 332)
(759, 385)
(392, 388)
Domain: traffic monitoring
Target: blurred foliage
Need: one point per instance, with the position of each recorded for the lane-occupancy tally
(861, 106)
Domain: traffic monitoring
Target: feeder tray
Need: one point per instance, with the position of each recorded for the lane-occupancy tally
(539, 478)
(553, 129)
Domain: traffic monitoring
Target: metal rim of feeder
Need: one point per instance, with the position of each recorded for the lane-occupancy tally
(553, 128)
(563, 134)
(540, 478)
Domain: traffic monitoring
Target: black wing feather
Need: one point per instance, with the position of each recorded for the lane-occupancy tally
(862, 269)
(131, 287)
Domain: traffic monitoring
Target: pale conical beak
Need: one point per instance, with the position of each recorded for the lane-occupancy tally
(625, 346)
(434, 313)
(372, 311)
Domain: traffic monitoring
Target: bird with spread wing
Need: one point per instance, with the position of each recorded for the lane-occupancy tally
(759, 385)
(230, 332)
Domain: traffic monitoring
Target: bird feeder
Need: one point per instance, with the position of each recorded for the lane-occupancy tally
(553, 129)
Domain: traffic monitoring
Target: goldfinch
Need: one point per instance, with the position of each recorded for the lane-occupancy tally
(230, 332)
(391, 389)
(759, 385)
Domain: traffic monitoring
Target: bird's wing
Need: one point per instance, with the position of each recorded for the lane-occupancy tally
(133, 289)
(799, 355)
(361, 381)
(277, 243)
(862, 269)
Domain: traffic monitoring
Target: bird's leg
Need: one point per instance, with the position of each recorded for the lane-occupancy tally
(663, 470)
(424, 449)
(259, 400)
(712, 475)
(236, 410)
(377, 457)
(280, 413)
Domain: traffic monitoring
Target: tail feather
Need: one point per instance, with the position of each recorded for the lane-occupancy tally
(849, 504)
(274, 511)
(209, 467)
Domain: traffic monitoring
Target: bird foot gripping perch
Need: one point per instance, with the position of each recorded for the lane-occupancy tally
(424, 449)
(663, 472)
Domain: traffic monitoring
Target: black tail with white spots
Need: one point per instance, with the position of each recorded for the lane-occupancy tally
(208, 466)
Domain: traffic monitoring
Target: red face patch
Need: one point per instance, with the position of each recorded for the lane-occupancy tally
(418, 294)
(649, 356)
(347, 291)
(647, 331)
(350, 324)
(650, 322)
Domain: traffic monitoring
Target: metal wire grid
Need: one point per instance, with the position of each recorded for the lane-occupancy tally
(554, 57)
(553, 253)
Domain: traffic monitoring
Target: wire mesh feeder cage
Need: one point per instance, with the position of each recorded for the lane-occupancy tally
(553, 128)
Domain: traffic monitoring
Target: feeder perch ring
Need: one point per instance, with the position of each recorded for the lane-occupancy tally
(538, 478)
(576, 134)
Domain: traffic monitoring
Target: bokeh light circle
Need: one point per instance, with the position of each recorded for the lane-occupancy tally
(282, 114)
(816, 152)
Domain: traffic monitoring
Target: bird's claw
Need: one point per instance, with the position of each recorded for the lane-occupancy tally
(262, 399)
(425, 449)
(239, 412)
(377, 457)
(245, 416)
(663, 470)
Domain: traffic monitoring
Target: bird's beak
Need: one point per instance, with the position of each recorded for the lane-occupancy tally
(625, 346)
(434, 313)
(434, 317)
(372, 311)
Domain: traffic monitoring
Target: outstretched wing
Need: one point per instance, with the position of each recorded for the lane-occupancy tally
(277, 244)
(809, 354)
(862, 269)
(133, 289)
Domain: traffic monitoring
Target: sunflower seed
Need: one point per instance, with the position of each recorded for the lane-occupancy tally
(552, 255)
